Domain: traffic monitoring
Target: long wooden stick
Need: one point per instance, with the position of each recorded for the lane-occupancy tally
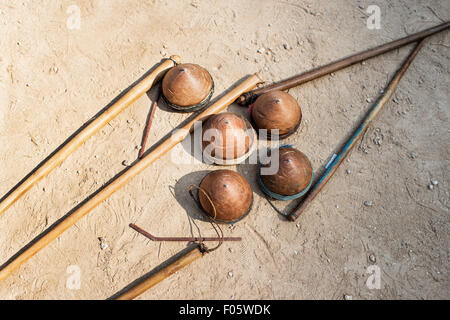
(250, 97)
(162, 274)
(78, 212)
(359, 132)
(93, 127)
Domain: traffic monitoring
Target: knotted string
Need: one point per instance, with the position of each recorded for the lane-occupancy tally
(213, 222)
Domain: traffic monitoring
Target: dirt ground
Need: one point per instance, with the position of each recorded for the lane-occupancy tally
(54, 77)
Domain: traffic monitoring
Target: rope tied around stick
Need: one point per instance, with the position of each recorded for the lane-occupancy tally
(213, 222)
(174, 61)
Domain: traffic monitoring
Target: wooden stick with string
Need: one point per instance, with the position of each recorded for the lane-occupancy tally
(178, 262)
(359, 132)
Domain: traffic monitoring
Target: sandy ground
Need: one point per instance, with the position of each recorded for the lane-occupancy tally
(53, 79)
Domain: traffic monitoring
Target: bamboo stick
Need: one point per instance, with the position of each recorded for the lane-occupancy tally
(250, 97)
(359, 132)
(58, 228)
(162, 274)
(76, 141)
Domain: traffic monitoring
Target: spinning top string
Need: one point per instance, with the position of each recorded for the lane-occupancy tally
(193, 186)
(274, 207)
(174, 61)
(211, 220)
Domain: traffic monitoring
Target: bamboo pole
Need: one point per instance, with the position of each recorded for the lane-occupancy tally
(359, 132)
(76, 141)
(162, 274)
(250, 97)
(58, 228)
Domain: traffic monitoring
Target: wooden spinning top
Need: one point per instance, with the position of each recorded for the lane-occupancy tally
(230, 194)
(294, 174)
(187, 87)
(277, 110)
(227, 137)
